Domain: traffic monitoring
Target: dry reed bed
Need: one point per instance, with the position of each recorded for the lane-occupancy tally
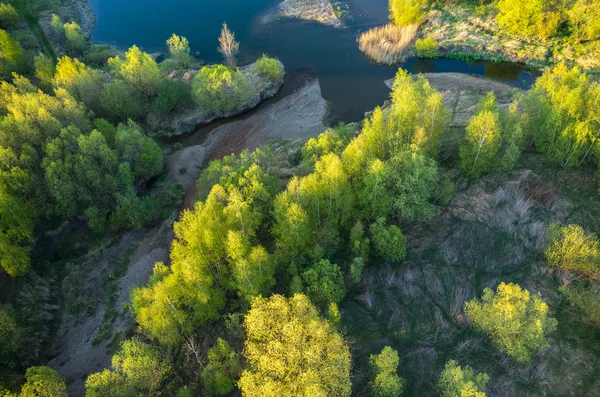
(388, 44)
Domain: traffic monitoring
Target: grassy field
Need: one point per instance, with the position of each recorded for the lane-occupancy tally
(492, 231)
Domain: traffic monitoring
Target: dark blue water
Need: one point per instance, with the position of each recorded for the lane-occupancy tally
(349, 81)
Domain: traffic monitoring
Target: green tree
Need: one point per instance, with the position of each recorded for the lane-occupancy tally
(141, 152)
(270, 68)
(333, 140)
(324, 283)
(8, 16)
(139, 70)
(221, 90)
(531, 18)
(118, 102)
(16, 233)
(407, 12)
(44, 69)
(456, 381)
(58, 25)
(572, 249)
(483, 138)
(388, 241)
(283, 337)
(43, 382)
(11, 56)
(584, 19)
(223, 368)
(385, 380)
(80, 80)
(516, 320)
(171, 93)
(179, 48)
(75, 36)
(11, 338)
(138, 367)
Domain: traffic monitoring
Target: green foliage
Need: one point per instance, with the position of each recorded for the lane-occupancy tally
(221, 90)
(356, 268)
(284, 335)
(171, 93)
(456, 381)
(80, 80)
(426, 48)
(10, 333)
(223, 368)
(139, 70)
(57, 24)
(586, 299)
(565, 115)
(16, 233)
(133, 212)
(572, 249)
(43, 382)
(407, 12)
(138, 368)
(333, 140)
(11, 56)
(179, 48)
(8, 16)
(324, 283)
(44, 69)
(270, 68)
(388, 241)
(118, 102)
(516, 320)
(385, 380)
(584, 20)
(530, 18)
(75, 37)
(141, 152)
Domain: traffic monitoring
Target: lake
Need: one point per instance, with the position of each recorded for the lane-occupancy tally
(349, 81)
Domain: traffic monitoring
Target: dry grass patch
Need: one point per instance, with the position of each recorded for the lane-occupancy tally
(388, 44)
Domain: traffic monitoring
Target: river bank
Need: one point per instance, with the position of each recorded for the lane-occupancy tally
(321, 11)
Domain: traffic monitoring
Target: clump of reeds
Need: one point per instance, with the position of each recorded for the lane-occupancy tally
(388, 44)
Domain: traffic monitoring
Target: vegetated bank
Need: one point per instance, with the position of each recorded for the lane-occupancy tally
(322, 11)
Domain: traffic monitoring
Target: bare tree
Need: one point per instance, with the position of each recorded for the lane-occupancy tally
(228, 46)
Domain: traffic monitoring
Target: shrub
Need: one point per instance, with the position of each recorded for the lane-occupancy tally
(222, 370)
(270, 68)
(386, 382)
(586, 299)
(389, 242)
(387, 44)
(171, 93)
(324, 283)
(356, 269)
(426, 48)
(221, 90)
(572, 249)
(407, 12)
(8, 16)
(44, 69)
(118, 102)
(75, 36)
(57, 24)
(458, 382)
(179, 48)
(517, 321)
(11, 56)
(43, 381)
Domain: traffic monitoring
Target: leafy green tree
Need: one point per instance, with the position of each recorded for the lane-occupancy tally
(530, 18)
(179, 48)
(80, 80)
(456, 381)
(385, 380)
(333, 140)
(8, 16)
(11, 56)
(138, 368)
(283, 337)
(483, 138)
(517, 321)
(16, 233)
(43, 382)
(141, 152)
(584, 19)
(270, 68)
(171, 93)
(572, 249)
(118, 102)
(356, 269)
(426, 48)
(11, 338)
(75, 36)
(388, 241)
(407, 12)
(133, 212)
(223, 368)
(221, 90)
(324, 283)
(44, 69)
(139, 70)
(57, 24)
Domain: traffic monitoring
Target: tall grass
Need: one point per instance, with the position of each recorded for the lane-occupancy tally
(388, 44)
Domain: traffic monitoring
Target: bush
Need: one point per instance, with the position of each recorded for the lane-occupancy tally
(179, 48)
(75, 36)
(407, 12)
(586, 299)
(458, 382)
(389, 242)
(386, 382)
(426, 48)
(221, 90)
(57, 24)
(8, 16)
(222, 370)
(44, 69)
(118, 102)
(517, 321)
(11, 56)
(270, 68)
(572, 249)
(171, 93)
